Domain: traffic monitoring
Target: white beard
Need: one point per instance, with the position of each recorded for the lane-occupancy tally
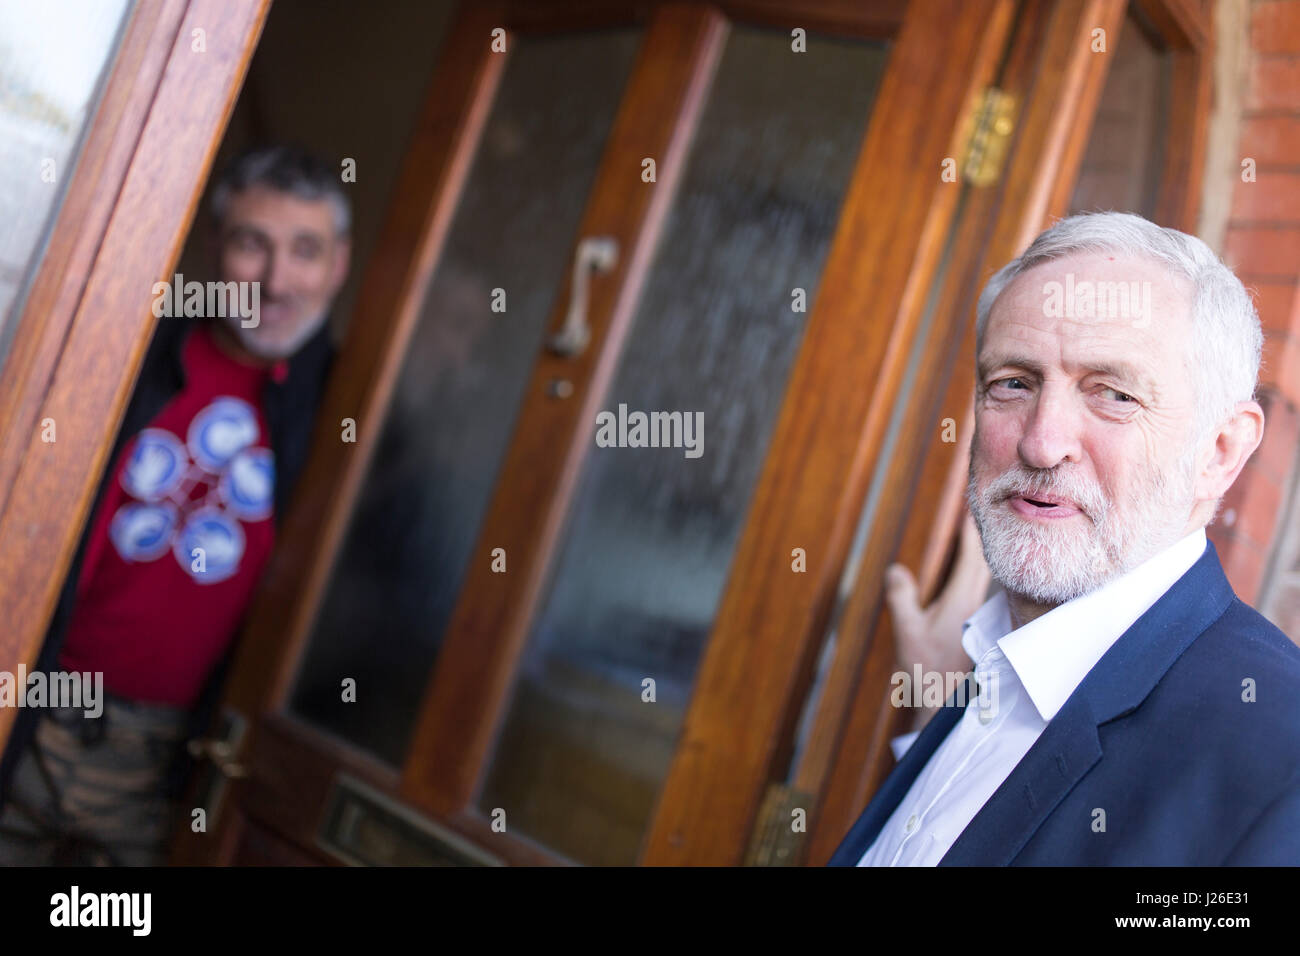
(1049, 564)
(283, 348)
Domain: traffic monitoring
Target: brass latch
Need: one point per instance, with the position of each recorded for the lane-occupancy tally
(781, 832)
(219, 762)
(222, 755)
(992, 122)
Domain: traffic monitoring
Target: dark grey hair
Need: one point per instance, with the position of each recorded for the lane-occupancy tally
(289, 169)
(1224, 337)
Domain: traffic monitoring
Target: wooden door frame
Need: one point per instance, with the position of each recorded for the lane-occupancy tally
(78, 229)
(855, 726)
(1187, 30)
(87, 320)
(863, 19)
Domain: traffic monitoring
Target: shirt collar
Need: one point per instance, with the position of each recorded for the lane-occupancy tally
(1053, 653)
(982, 629)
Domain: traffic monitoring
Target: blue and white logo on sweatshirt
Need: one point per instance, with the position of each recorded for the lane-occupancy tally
(210, 545)
(156, 467)
(248, 484)
(220, 431)
(143, 532)
(190, 497)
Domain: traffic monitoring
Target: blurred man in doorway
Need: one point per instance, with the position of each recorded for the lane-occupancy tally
(183, 524)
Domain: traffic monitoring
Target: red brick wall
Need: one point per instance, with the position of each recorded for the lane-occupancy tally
(1256, 535)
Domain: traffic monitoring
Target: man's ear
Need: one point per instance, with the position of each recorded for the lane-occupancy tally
(1234, 443)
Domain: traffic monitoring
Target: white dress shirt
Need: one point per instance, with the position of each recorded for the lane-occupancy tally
(1028, 673)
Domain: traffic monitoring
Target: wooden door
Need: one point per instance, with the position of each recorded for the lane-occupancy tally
(486, 637)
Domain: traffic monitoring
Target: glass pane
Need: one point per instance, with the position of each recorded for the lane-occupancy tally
(53, 58)
(645, 554)
(396, 579)
(1125, 152)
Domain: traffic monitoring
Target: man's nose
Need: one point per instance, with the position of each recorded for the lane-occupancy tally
(1052, 432)
(275, 274)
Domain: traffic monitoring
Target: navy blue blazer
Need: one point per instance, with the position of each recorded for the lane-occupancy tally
(1159, 737)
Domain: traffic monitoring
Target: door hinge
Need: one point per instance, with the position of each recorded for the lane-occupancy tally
(992, 122)
(782, 830)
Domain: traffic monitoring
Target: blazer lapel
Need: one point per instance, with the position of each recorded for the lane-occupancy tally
(1070, 744)
(1067, 749)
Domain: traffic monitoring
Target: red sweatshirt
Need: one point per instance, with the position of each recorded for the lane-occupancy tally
(180, 537)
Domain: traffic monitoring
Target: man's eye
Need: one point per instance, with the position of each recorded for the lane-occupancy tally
(1121, 396)
(246, 242)
(1007, 382)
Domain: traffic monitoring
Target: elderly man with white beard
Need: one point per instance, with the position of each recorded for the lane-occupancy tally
(1125, 707)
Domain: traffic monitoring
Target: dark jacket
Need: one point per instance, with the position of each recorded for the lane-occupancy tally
(1159, 736)
(290, 408)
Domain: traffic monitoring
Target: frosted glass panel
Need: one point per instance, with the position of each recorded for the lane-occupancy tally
(396, 579)
(53, 57)
(648, 544)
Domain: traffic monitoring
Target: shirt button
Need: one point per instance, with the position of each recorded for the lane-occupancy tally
(911, 823)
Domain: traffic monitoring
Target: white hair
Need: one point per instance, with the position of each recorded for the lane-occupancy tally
(1225, 341)
(288, 169)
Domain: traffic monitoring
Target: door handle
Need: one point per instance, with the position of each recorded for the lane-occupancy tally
(594, 254)
(222, 755)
